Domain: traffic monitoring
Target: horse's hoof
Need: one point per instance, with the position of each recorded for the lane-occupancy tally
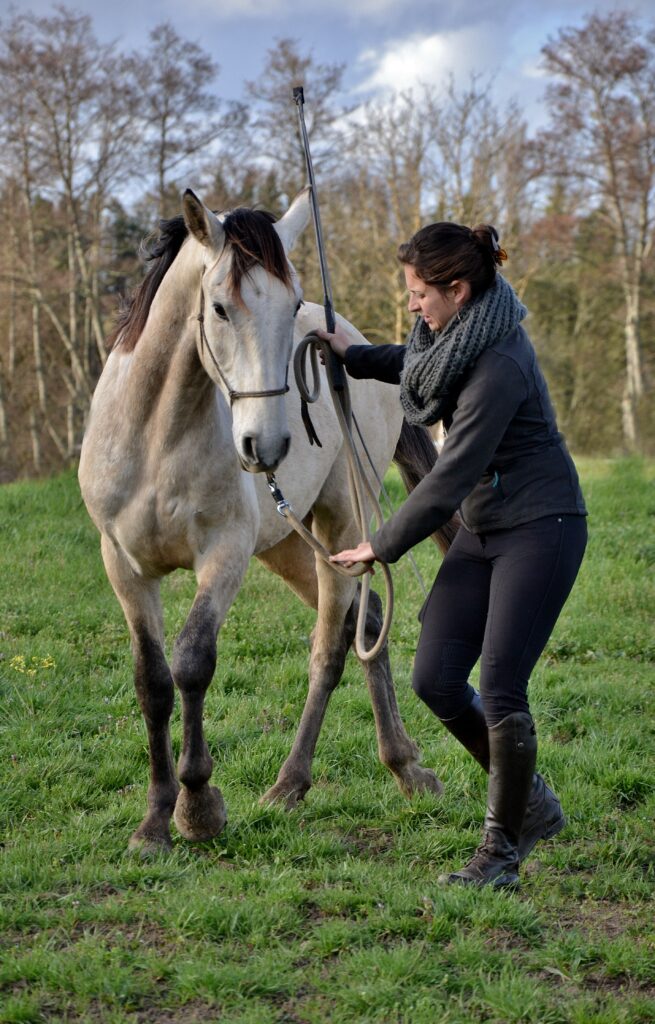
(287, 793)
(148, 847)
(415, 779)
(200, 814)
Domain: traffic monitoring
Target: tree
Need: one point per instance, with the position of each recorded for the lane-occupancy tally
(275, 146)
(602, 141)
(574, 298)
(419, 156)
(374, 202)
(274, 126)
(180, 114)
(68, 130)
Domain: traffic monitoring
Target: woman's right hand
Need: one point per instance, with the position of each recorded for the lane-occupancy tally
(339, 341)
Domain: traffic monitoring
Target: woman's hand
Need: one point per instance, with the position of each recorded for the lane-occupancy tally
(362, 553)
(339, 341)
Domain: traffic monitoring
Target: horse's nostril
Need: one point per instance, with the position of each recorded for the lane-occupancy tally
(287, 444)
(250, 448)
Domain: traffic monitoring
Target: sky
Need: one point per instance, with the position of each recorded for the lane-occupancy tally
(384, 44)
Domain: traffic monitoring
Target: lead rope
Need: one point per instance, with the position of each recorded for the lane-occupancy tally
(359, 486)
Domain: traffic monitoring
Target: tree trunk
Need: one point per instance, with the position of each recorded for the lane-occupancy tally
(72, 291)
(400, 305)
(4, 433)
(11, 326)
(39, 372)
(634, 383)
(85, 274)
(70, 431)
(36, 442)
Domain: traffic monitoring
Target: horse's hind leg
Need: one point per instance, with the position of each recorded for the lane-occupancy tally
(331, 638)
(338, 601)
(397, 751)
(141, 604)
(200, 810)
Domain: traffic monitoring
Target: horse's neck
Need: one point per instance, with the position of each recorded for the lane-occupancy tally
(168, 381)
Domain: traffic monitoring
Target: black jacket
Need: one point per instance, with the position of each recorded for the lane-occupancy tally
(504, 461)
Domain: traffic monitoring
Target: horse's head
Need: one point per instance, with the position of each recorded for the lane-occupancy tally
(250, 296)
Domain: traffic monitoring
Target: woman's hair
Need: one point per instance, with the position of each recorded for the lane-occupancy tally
(445, 252)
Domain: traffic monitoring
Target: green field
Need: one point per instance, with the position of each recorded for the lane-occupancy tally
(331, 913)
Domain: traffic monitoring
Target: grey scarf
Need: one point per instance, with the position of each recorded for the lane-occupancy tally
(436, 360)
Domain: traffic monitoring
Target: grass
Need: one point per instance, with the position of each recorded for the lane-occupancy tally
(330, 913)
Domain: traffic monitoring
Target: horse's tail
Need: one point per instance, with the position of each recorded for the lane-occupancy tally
(415, 455)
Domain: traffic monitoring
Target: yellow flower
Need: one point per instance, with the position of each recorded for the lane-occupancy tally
(19, 664)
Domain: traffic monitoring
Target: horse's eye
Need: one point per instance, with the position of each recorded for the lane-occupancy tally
(297, 309)
(220, 311)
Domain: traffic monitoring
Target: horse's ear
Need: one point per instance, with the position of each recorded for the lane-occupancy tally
(295, 220)
(201, 222)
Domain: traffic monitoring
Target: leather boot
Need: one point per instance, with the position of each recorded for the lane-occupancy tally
(544, 817)
(512, 756)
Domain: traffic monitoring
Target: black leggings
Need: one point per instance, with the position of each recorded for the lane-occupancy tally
(497, 597)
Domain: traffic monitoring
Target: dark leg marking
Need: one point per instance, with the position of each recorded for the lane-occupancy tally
(200, 811)
(155, 693)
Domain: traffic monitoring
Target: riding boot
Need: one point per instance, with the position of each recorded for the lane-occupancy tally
(470, 729)
(512, 756)
(544, 817)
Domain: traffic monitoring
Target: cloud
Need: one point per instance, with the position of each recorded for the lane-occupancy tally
(533, 68)
(429, 59)
(262, 10)
(226, 10)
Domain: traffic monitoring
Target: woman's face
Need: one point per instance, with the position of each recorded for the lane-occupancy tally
(435, 305)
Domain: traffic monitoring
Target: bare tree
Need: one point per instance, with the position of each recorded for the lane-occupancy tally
(428, 154)
(375, 202)
(68, 130)
(602, 139)
(275, 146)
(468, 137)
(26, 171)
(180, 114)
(274, 124)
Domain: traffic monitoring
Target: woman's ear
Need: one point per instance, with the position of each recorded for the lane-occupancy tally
(461, 292)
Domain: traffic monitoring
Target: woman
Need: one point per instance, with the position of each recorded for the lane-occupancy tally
(502, 584)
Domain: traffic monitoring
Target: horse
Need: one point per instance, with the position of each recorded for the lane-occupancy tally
(192, 409)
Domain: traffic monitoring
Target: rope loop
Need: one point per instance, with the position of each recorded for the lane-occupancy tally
(310, 343)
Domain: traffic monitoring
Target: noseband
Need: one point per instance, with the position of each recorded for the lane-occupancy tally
(233, 395)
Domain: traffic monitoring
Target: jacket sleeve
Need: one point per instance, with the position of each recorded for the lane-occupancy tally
(485, 407)
(381, 362)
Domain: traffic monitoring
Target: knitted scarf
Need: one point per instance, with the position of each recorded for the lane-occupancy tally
(436, 360)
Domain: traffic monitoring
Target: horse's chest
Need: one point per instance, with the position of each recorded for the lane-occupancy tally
(161, 528)
(157, 534)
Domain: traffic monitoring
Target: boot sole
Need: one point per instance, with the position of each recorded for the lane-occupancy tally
(502, 882)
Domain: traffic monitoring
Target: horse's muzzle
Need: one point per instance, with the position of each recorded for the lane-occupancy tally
(258, 457)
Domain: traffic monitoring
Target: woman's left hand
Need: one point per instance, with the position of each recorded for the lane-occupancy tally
(362, 553)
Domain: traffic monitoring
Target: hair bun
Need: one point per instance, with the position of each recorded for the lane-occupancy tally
(488, 237)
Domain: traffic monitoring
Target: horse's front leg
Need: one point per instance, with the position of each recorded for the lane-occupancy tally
(140, 600)
(396, 750)
(200, 810)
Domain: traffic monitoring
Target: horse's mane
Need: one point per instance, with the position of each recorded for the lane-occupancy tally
(254, 242)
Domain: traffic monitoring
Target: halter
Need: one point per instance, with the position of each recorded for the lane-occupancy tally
(232, 394)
